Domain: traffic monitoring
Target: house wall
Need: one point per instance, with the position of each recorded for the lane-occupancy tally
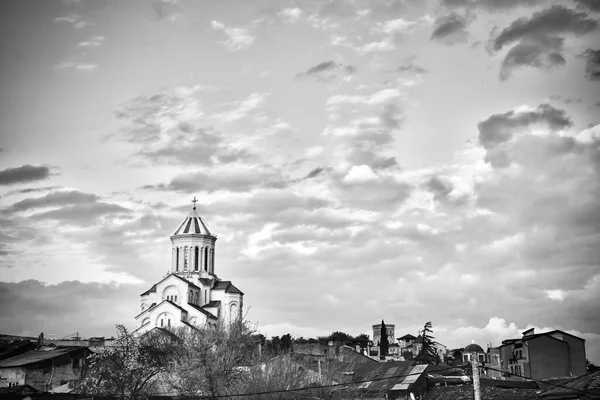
(13, 375)
(548, 358)
(577, 355)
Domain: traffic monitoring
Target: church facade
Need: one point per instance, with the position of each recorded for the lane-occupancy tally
(191, 294)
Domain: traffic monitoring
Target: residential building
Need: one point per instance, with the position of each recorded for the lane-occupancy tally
(45, 368)
(191, 293)
(545, 355)
(406, 340)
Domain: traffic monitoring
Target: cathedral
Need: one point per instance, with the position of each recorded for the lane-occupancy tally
(191, 294)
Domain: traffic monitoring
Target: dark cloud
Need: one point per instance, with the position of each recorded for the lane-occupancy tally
(500, 128)
(327, 71)
(440, 188)
(592, 66)
(47, 311)
(450, 29)
(33, 190)
(409, 66)
(227, 180)
(59, 198)
(164, 9)
(314, 173)
(540, 44)
(543, 52)
(566, 100)
(25, 173)
(491, 5)
(84, 214)
(593, 5)
(552, 21)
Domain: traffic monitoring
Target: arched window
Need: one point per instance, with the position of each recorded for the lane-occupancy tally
(206, 258)
(185, 258)
(212, 261)
(196, 258)
(205, 297)
(177, 260)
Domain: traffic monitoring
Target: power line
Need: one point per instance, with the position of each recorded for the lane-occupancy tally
(540, 381)
(305, 388)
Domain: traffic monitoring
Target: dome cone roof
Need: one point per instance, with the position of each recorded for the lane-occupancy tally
(193, 224)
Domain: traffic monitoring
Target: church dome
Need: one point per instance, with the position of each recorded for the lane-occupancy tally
(193, 224)
(473, 348)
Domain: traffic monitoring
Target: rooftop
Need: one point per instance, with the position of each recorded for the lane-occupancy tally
(35, 356)
(193, 224)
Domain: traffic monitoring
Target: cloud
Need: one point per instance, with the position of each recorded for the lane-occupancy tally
(592, 67)
(237, 38)
(171, 128)
(589, 4)
(57, 198)
(328, 71)
(290, 15)
(500, 128)
(491, 5)
(376, 98)
(78, 66)
(360, 174)
(75, 20)
(450, 29)
(95, 41)
(540, 45)
(39, 301)
(25, 173)
(232, 178)
(410, 66)
(166, 9)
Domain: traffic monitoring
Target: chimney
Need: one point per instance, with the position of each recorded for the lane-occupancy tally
(529, 332)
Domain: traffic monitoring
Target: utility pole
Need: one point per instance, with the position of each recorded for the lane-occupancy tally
(476, 385)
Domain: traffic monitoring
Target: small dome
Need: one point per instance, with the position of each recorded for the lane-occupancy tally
(193, 224)
(473, 348)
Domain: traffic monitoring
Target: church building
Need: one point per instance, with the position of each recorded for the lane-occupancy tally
(191, 293)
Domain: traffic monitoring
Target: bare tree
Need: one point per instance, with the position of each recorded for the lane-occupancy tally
(211, 361)
(128, 369)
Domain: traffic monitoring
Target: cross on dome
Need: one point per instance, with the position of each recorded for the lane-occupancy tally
(194, 201)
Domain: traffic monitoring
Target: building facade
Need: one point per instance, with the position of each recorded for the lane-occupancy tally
(191, 293)
(554, 354)
(390, 330)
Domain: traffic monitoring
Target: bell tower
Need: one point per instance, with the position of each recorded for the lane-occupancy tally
(193, 247)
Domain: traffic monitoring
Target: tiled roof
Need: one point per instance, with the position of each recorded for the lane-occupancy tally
(202, 310)
(589, 383)
(151, 290)
(227, 286)
(154, 305)
(35, 356)
(212, 304)
(179, 277)
(205, 281)
(401, 375)
(408, 336)
(193, 224)
(462, 392)
(19, 389)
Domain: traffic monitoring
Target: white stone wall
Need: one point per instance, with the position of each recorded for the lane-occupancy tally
(186, 261)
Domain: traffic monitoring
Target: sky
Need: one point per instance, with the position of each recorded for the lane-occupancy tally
(359, 160)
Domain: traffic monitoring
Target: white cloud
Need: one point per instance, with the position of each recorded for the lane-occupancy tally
(95, 41)
(556, 294)
(376, 98)
(360, 174)
(291, 15)
(77, 66)
(238, 37)
(243, 109)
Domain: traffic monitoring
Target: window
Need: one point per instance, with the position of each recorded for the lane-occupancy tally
(206, 258)
(75, 363)
(175, 299)
(169, 322)
(177, 260)
(481, 358)
(196, 258)
(185, 258)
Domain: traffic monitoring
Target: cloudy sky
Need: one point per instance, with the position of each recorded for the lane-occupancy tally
(407, 160)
